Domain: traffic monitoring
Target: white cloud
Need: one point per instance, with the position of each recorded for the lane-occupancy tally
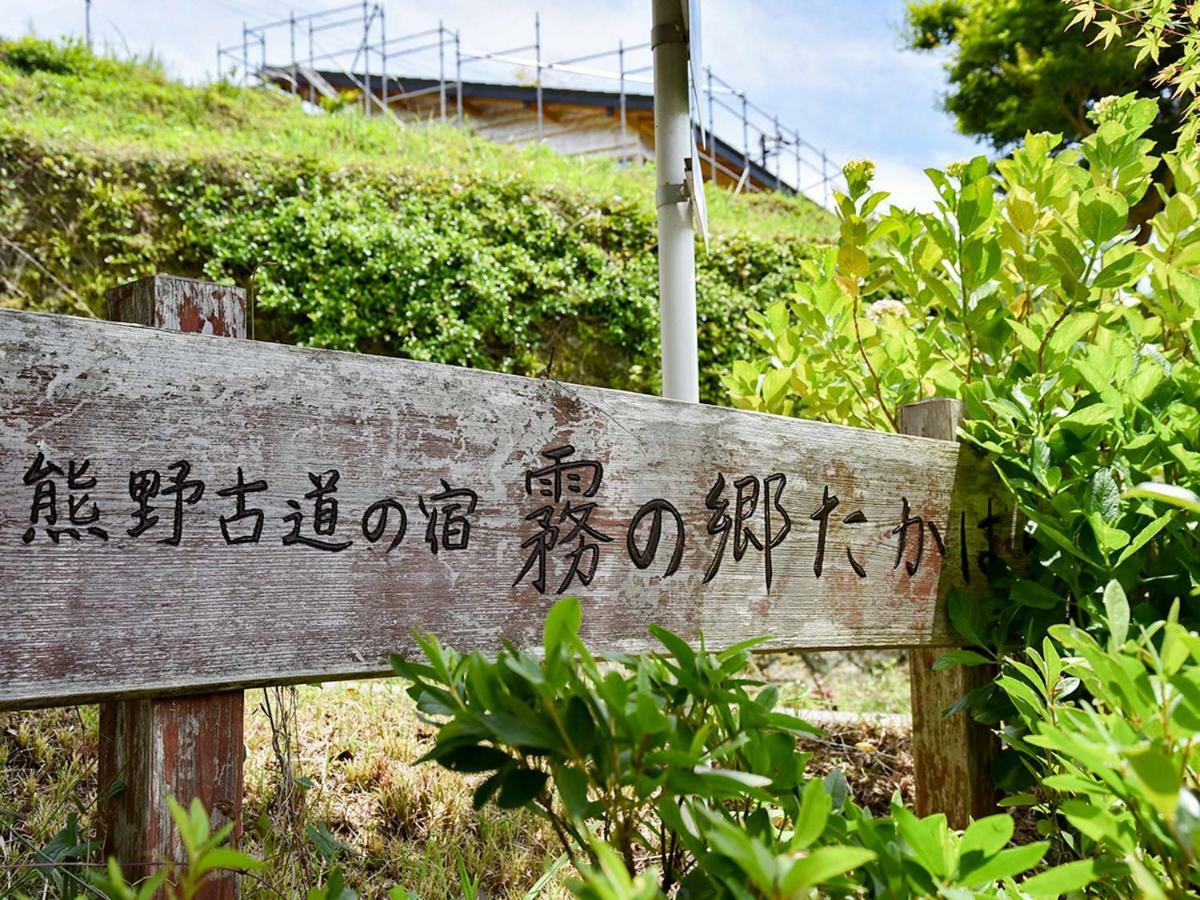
(816, 46)
(908, 184)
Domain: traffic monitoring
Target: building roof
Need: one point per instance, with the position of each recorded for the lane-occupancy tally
(297, 79)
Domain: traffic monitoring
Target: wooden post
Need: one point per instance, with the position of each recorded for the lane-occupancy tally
(952, 755)
(181, 747)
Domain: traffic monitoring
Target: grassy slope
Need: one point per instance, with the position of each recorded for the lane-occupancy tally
(121, 109)
(360, 234)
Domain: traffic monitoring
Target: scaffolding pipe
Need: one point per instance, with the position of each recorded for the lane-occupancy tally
(621, 66)
(458, 97)
(405, 96)
(712, 127)
(588, 57)
(778, 154)
(720, 94)
(366, 44)
(799, 169)
(357, 20)
(413, 36)
(673, 143)
(441, 71)
(745, 135)
(537, 49)
(502, 55)
(407, 51)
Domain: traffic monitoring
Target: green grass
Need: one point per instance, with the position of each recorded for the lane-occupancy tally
(131, 108)
(398, 823)
(857, 682)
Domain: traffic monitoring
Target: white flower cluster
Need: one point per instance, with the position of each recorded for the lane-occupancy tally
(888, 306)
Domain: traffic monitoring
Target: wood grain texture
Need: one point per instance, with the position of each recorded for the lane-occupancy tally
(180, 304)
(155, 748)
(134, 616)
(952, 755)
(181, 747)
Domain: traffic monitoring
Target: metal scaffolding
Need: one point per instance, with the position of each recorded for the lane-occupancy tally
(352, 41)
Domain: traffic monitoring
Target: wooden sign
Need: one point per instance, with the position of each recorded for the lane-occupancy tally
(183, 513)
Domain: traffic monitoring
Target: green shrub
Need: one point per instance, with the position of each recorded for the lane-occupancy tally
(1075, 348)
(1111, 728)
(676, 762)
(1075, 343)
(70, 57)
(495, 275)
(30, 54)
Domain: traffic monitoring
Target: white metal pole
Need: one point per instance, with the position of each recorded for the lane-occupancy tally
(673, 143)
(87, 25)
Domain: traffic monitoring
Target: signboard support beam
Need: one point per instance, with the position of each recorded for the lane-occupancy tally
(181, 747)
(952, 755)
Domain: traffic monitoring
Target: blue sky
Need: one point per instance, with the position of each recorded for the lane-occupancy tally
(831, 69)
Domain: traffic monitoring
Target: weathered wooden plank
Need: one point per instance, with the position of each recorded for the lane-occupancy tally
(183, 747)
(231, 601)
(952, 755)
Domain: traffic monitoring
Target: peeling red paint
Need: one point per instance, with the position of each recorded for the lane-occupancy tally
(182, 747)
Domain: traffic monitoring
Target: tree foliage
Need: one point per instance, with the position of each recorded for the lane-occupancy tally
(1160, 31)
(1015, 67)
(1075, 350)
